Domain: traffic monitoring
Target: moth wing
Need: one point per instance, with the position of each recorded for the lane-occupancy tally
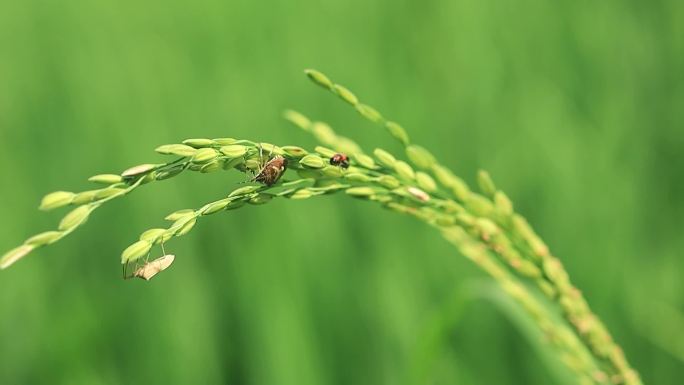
(164, 262)
(155, 267)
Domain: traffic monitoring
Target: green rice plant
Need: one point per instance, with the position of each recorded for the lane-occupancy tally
(482, 225)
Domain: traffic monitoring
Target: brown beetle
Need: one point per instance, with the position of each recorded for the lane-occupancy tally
(271, 172)
(272, 169)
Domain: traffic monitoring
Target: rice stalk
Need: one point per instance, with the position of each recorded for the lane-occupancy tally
(517, 242)
(484, 226)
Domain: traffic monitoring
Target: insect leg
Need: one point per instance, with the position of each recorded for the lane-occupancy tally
(125, 271)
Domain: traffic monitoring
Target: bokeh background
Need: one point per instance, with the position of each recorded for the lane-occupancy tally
(575, 107)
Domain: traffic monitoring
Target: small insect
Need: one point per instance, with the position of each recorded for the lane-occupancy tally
(150, 269)
(271, 170)
(341, 160)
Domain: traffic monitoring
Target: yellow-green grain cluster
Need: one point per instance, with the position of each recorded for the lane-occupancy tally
(482, 225)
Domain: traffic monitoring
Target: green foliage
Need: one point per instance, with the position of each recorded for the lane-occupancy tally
(574, 107)
(480, 232)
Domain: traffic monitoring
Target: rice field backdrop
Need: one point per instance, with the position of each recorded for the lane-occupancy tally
(573, 107)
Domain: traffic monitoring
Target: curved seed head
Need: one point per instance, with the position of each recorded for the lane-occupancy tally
(135, 251)
(445, 220)
(294, 151)
(75, 218)
(301, 194)
(176, 149)
(419, 156)
(233, 163)
(383, 199)
(398, 207)
(332, 171)
(312, 161)
(357, 177)
(503, 205)
(547, 288)
(465, 219)
(45, 238)
(328, 187)
(204, 155)
(244, 190)
(286, 193)
(297, 119)
(479, 205)
(253, 164)
(523, 228)
(199, 143)
(385, 158)
(487, 227)
(84, 197)
(319, 78)
(215, 207)
(56, 199)
(235, 204)
(325, 152)
(109, 192)
(345, 94)
(164, 237)
(14, 255)
(261, 199)
(443, 175)
(169, 173)
(153, 235)
(389, 181)
(187, 227)
(398, 132)
(212, 166)
(300, 183)
(360, 191)
(486, 183)
(324, 133)
(404, 170)
(364, 160)
(458, 187)
(180, 223)
(234, 150)
(555, 271)
(369, 113)
(138, 170)
(224, 141)
(150, 177)
(106, 179)
(528, 269)
(179, 214)
(269, 148)
(450, 206)
(425, 182)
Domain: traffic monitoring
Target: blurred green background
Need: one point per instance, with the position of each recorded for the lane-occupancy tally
(575, 107)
